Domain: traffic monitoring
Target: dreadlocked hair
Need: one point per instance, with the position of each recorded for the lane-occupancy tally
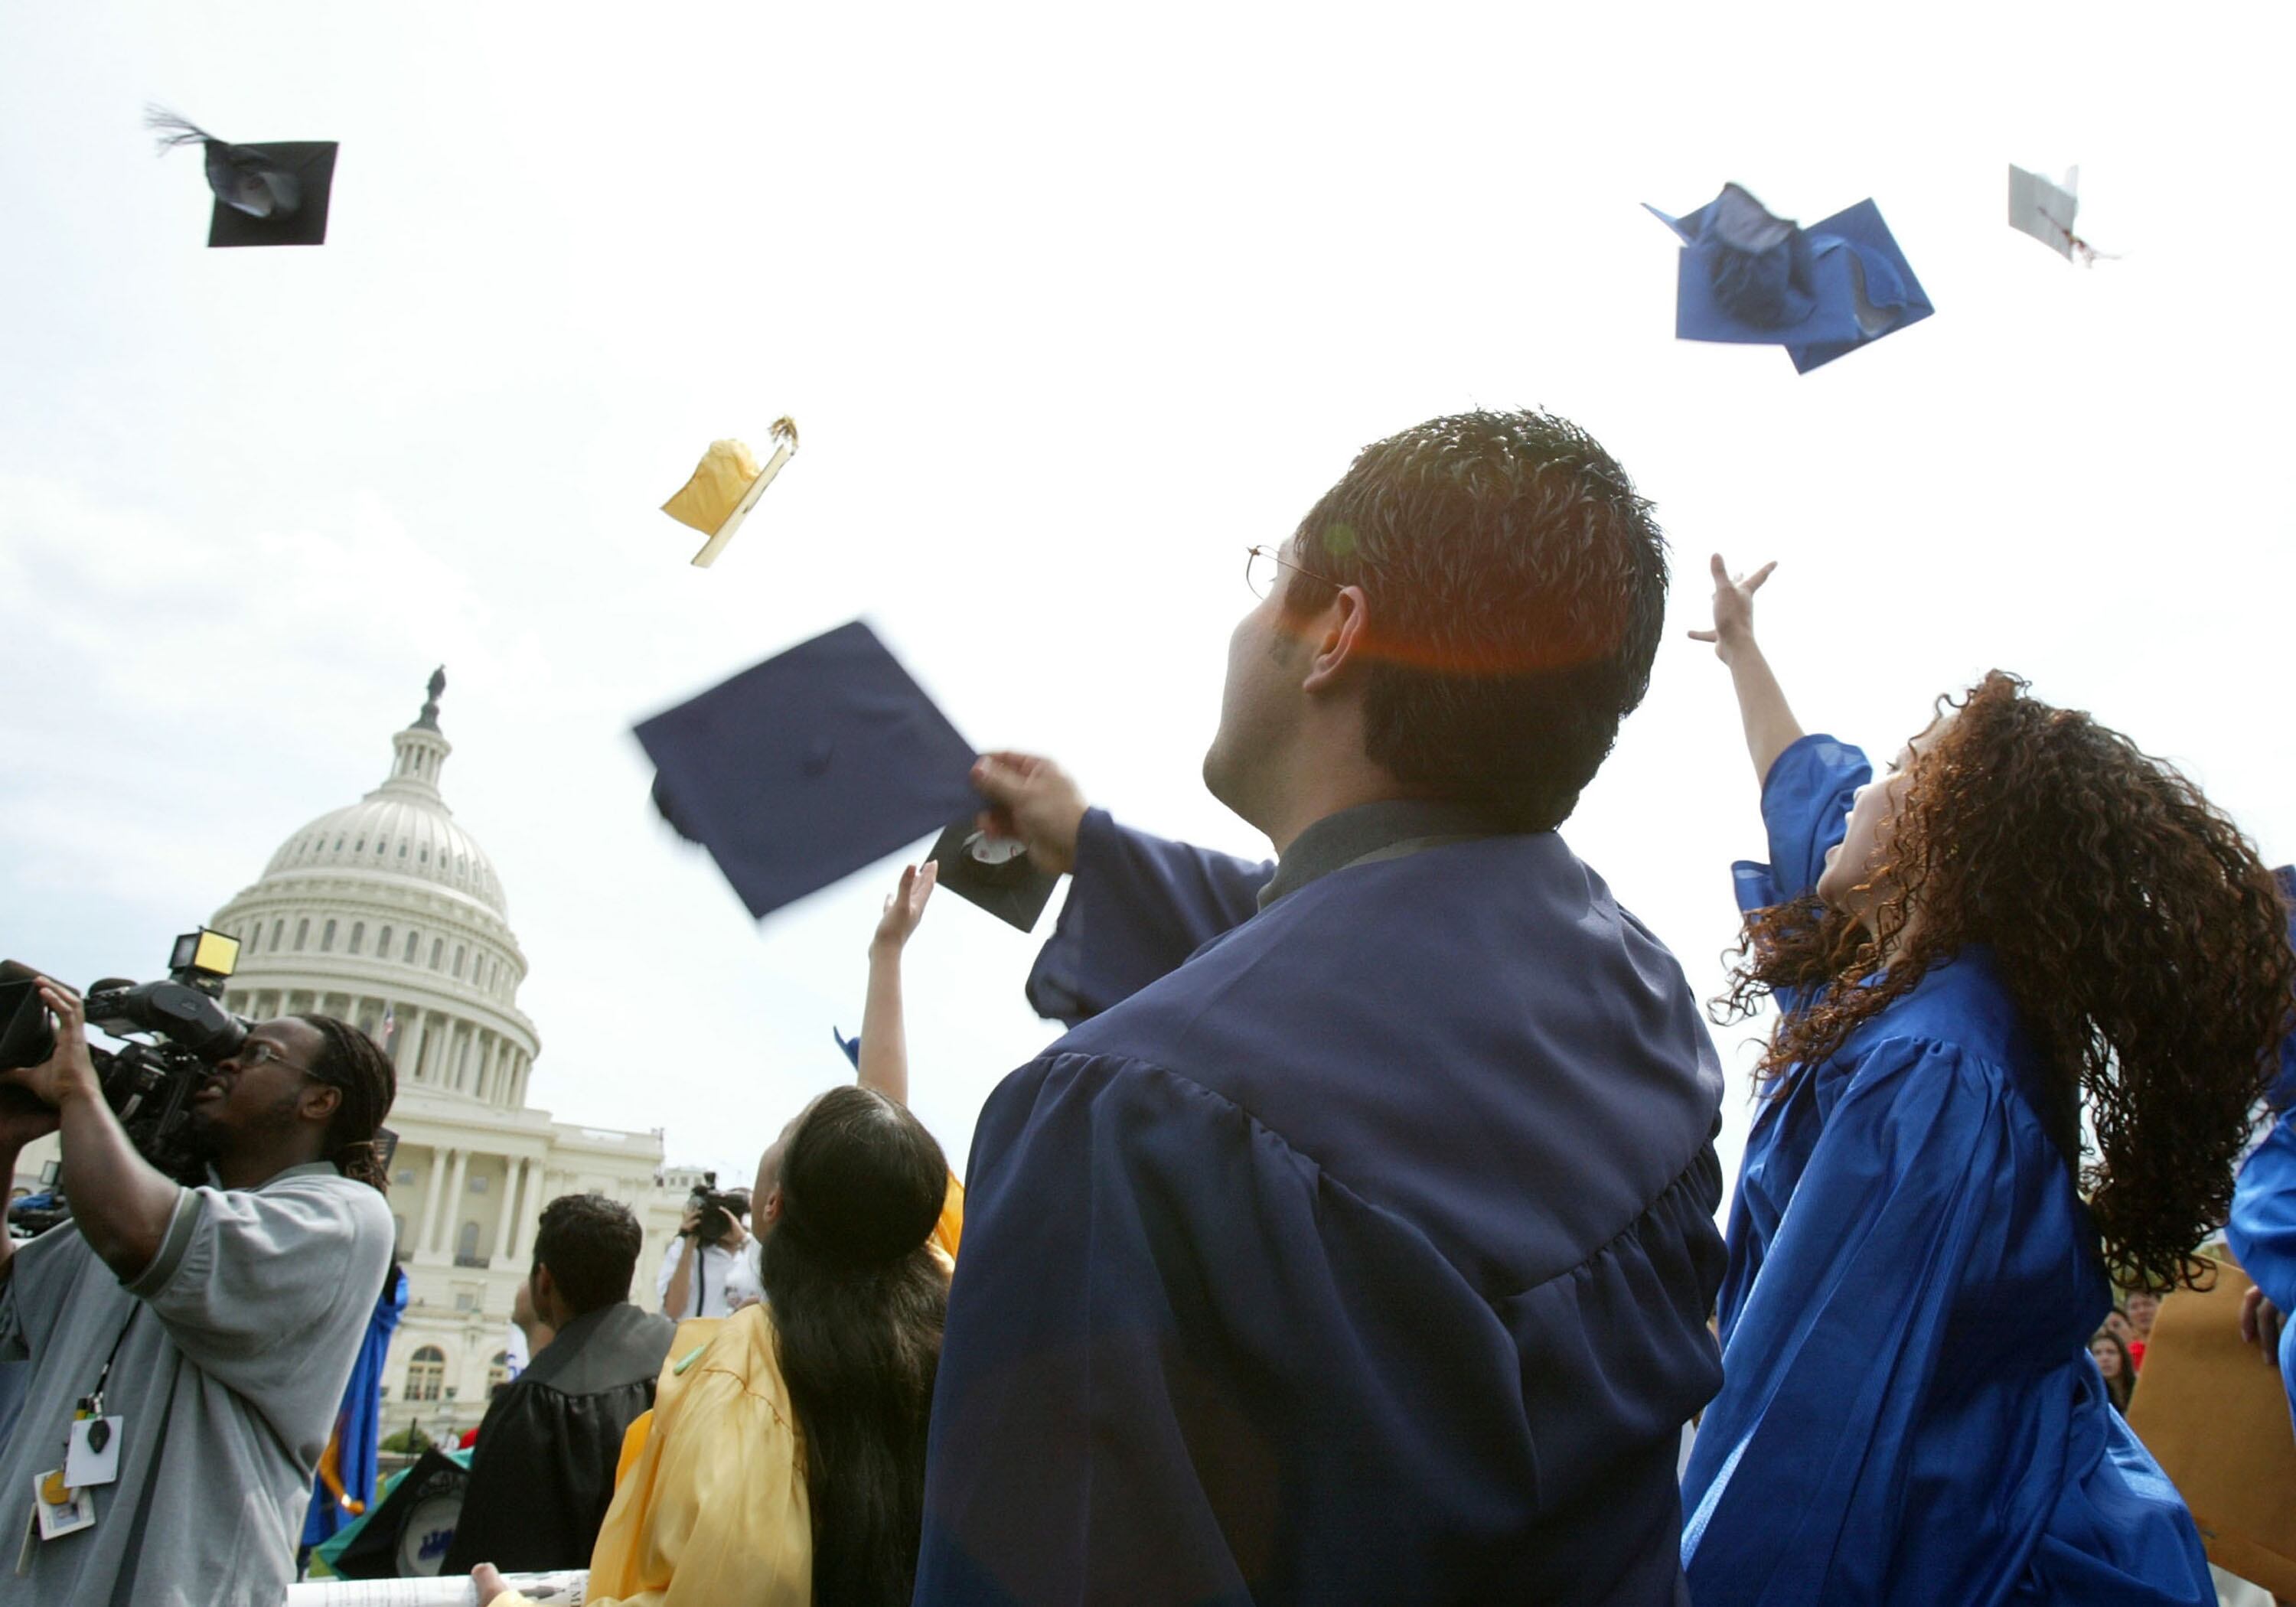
(350, 1060)
(2144, 941)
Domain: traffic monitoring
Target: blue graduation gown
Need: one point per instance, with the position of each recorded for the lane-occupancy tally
(1362, 1254)
(2262, 1231)
(1909, 1410)
(1138, 906)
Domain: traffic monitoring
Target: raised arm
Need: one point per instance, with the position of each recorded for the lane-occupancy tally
(1139, 905)
(675, 1283)
(1770, 725)
(884, 1058)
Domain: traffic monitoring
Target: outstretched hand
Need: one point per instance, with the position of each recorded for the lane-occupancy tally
(905, 907)
(1034, 799)
(1734, 607)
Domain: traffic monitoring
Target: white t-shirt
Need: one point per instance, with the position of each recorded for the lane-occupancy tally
(719, 1284)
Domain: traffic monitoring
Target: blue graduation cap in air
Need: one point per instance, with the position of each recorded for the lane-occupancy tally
(1750, 277)
(809, 766)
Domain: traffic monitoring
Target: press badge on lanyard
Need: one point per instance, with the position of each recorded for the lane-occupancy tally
(63, 1499)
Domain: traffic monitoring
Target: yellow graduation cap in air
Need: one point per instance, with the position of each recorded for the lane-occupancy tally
(725, 486)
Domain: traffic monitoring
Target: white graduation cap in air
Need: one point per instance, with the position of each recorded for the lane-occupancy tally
(2043, 209)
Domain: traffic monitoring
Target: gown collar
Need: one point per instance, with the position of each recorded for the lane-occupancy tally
(1386, 829)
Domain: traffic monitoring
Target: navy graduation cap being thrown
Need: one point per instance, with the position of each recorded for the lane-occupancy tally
(1752, 277)
(269, 194)
(819, 762)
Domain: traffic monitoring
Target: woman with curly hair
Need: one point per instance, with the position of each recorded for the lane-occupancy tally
(2028, 964)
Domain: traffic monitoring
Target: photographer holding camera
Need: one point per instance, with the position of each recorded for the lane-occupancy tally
(188, 1346)
(705, 1273)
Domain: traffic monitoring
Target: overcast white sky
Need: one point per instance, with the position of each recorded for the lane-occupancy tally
(1071, 304)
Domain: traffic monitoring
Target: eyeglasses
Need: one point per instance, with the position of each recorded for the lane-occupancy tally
(256, 1052)
(1261, 565)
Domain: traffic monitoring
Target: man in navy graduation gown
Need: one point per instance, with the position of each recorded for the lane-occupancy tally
(1357, 1243)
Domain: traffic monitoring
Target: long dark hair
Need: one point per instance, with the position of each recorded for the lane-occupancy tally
(2143, 939)
(857, 1304)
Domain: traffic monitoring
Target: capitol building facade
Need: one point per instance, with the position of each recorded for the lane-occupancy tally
(388, 915)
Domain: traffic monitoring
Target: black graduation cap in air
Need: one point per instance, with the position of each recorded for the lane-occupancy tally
(993, 872)
(806, 767)
(274, 194)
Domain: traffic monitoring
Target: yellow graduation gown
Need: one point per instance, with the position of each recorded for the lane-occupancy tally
(711, 1505)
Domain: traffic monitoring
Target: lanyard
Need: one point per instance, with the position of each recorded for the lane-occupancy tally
(90, 1404)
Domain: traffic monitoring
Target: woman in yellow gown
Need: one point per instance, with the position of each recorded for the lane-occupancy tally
(785, 1463)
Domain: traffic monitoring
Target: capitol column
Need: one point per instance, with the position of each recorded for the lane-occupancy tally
(513, 1201)
(438, 1161)
(436, 1030)
(530, 1213)
(411, 1062)
(454, 1191)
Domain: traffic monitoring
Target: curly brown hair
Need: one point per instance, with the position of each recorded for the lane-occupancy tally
(2143, 939)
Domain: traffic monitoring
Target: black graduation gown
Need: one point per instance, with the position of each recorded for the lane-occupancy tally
(543, 1473)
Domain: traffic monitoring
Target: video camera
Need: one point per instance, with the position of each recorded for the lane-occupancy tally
(148, 1085)
(706, 1199)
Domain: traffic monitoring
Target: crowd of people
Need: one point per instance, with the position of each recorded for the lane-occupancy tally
(1357, 1239)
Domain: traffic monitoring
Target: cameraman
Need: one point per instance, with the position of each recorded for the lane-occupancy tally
(708, 1274)
(212, 1321)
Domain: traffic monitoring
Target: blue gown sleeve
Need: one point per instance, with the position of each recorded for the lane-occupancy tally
(2282, 1095)
(1137, 906)
(1125, 1411)
(2262, 1234)
(1806, 800)
(2263, 1228)
(1860, 1448)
